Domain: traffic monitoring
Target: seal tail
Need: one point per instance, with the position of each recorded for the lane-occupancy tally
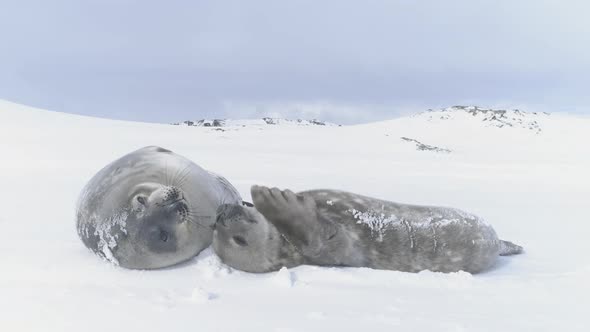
(508, 248)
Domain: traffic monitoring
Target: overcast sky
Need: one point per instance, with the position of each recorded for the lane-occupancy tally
(337, 60)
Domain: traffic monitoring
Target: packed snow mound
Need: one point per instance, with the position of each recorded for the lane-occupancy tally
(500, 118)
(254, 122)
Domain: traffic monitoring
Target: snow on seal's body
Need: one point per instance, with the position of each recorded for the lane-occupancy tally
(329, 227)
(150, 209)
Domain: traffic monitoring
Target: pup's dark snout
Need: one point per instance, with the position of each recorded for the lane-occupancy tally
(226, 212)
(220, 220)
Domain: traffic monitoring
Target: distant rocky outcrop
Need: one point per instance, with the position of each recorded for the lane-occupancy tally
(313, 122)
(492, 117)
(425, 147)
(254, 122)
(203, 123)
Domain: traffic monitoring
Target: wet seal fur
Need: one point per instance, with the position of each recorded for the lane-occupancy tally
(150, 209)
(336, 228)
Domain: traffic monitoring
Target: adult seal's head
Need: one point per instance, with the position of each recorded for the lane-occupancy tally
(151, 209)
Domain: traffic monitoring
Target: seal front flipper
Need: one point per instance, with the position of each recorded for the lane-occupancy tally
(295, 216)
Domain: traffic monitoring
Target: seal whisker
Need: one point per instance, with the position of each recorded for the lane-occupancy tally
(184, 177)
(166, 173)
(199, 215)
(191, 220)
(177, 174)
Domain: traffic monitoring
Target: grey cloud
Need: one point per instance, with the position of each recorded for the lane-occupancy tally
(167, 61)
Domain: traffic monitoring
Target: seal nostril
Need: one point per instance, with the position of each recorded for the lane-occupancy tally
(231, 211)
(141, 200)
(221, 220)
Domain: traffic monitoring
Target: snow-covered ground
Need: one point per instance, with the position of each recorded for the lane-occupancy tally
(533, 186)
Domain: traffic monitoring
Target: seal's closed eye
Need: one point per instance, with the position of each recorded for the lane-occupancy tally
(240, 241)
(163, 236)
(248, 204)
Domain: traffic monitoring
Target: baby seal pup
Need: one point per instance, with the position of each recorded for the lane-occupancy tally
(150, 209)
(336, 228)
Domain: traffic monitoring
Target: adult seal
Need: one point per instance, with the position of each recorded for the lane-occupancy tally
(150, 209)
(336, 228)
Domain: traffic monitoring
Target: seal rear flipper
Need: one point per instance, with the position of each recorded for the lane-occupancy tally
(508, 248)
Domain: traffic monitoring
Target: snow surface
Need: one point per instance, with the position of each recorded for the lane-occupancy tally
(532, 186)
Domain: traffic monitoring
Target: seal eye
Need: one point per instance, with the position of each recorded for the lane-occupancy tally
(240, 241)
(163, 236)
(141, 200)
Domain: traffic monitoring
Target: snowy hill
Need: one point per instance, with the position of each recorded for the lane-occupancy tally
(490, 117)
(532, 186)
